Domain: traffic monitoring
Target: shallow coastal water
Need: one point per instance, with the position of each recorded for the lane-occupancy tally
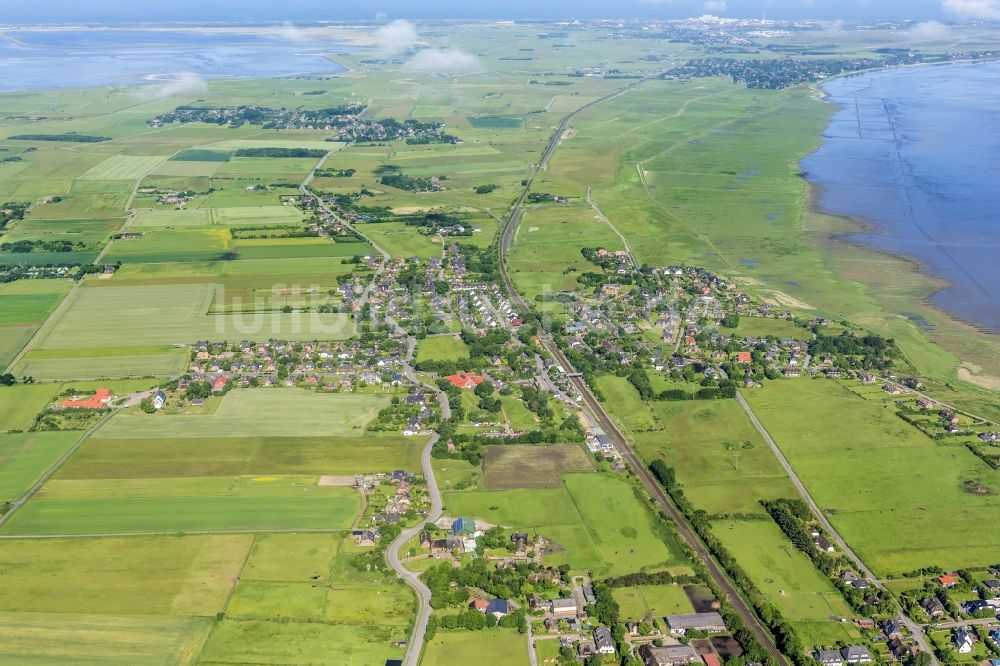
(82, 57)
(915, 154)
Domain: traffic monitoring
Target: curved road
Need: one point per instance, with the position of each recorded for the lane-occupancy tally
(595, 411)
(415, 645)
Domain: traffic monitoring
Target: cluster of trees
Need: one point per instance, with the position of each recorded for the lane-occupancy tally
(411, 183)
(11, 211)
(542, 197)
(27, 246)
(785, 637)
(71, 137)
(656, 578)
(450, 586)
(280, 152)
(335, 173)
(866, 352)
(486, 189)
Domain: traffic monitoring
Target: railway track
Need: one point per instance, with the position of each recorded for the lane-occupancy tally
(596, 411)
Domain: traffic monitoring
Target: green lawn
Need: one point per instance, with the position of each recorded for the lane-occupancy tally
(441, 348)
(505, 647)
(660, 600)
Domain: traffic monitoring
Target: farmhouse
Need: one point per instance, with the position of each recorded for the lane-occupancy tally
(710, 622)
(100, 400)
(159, 400)
(667, 655)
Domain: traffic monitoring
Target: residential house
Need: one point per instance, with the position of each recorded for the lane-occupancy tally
(892, 629)
(710, 622)
(829, 657)
(159, 400)
(463, 525)
(964, 640)
(900, 650)
(933, 607)
(498, 608)
(564, 607)
(856, 654)
(711, 659)
(667, 655)
(948, 580)
(603, 641)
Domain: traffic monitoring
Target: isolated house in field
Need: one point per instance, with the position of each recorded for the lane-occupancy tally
(159, 400)
(100, 400)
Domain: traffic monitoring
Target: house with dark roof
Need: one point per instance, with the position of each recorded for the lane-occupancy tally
(463, 525)
(856, 654)
(667, 655)
(603, 641)
(829, 657)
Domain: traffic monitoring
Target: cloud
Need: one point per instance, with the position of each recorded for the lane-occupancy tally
(443, 60)
(715, 6)
(289, 32)
(381, 16)
(988, 10)
(181, 83)
(929, 30)
(396, 37)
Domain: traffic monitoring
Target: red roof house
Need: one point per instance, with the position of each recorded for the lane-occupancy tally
(948, 580)
(219, 383)
(99, 400)
(480, 605)
(744, 357)
(465, 380)
(711, 659)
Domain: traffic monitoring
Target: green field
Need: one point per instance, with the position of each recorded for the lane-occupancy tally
(149, 575)
(783, 573)
(532, 466)
(20, 404)
(122, 167)
(166, 457)
(894, 494)
(80, 638)
(25, 457)
(24, 305)
(660, 600)
(441, 348)
(504, 646)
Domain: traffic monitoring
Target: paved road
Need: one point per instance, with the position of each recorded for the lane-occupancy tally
(415, 645)
(914, 628)
(595, 411)
(604, 218)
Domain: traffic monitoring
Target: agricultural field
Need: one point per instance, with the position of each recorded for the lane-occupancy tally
(24, 305)
(528, 466)
(253, 413)
(901, 500)
(20, 404)
(24, 457)
(123, 167)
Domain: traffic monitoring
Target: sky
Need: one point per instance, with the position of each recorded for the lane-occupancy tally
(62, 11)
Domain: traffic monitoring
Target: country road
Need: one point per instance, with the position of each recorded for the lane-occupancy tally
(914, 628)
(416, 642)
(595, 411)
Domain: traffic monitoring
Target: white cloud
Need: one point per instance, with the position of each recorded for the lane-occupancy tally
(181, 83)
(715, 6)
(289, 32)
(396, 37)
(929, 30)
(381, 16)
(988, 10)
(443, 60)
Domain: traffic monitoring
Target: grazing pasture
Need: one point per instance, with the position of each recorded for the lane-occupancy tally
(527, 466)
(897, 496)
(441, 348)
(660, 600)
(170, 245)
